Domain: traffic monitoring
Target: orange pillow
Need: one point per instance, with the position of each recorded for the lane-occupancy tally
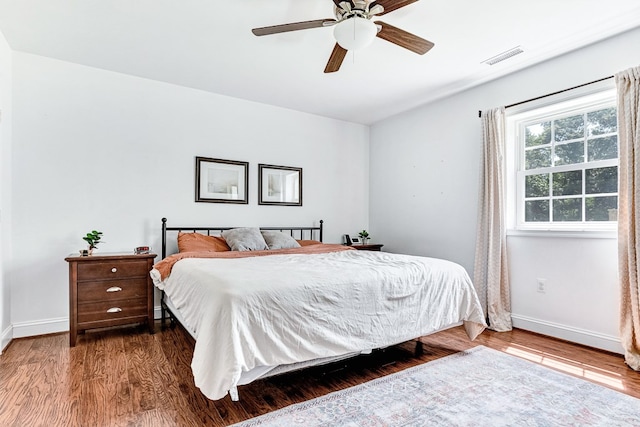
(308, 242)
(196, 242)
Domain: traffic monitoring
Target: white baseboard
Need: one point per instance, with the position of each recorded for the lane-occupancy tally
(569, 333)
(43, 327)
(40, 327)
(5, 338)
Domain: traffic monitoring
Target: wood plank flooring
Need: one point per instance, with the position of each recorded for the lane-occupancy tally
(126, 377)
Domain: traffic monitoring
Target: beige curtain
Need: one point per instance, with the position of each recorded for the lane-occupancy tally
(628, 84)
(491, 274)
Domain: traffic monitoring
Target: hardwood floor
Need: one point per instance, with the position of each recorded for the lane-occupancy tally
(126, 377)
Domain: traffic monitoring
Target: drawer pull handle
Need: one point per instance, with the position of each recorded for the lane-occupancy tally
(114, 310)
(113, 270)
(114, 289)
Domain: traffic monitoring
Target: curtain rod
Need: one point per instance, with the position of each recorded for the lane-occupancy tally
(553, 93)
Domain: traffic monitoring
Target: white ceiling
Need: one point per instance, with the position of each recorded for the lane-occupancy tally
(208, 45)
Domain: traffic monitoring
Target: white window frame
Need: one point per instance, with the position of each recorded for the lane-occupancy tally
(591, 97)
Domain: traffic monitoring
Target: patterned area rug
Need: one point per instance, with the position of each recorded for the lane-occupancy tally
(478, 387)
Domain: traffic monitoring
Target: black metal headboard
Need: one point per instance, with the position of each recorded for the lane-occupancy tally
(311, 232)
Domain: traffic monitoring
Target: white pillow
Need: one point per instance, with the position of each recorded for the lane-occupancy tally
(279, 240)
(245, 239)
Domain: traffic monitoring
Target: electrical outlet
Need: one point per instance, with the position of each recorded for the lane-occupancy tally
(542, 285)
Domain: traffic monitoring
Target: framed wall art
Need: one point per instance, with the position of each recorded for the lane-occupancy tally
(222, 181)
(279, 185)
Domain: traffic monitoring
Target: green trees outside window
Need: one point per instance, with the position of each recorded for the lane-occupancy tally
(569, 176)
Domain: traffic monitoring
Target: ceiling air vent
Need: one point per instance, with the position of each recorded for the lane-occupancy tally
(504, 55)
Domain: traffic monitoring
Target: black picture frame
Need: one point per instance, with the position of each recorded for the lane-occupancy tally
(221, 181)
(279, 185)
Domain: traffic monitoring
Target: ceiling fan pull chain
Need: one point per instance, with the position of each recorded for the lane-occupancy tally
(354, 29)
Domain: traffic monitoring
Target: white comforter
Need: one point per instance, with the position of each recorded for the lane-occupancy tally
(281, 309)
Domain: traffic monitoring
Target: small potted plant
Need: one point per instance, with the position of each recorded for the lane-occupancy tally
(364, 236)
(93, 239)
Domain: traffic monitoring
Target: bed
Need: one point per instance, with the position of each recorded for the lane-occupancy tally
(260, 312)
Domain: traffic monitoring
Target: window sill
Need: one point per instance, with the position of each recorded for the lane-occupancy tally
(571, 234)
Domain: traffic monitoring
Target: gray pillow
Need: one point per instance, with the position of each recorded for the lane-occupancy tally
(279, 240)
(245, 239)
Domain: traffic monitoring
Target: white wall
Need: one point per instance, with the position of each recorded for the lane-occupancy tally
(5, 190)
(94, 149)
(427, 161)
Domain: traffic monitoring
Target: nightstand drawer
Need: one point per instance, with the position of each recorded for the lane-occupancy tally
(111, 290)
(107, 310)
(112, 270)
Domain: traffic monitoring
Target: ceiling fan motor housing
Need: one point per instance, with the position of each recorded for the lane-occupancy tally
(357, 8)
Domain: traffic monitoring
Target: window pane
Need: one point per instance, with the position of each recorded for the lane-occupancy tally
(601, 180)
(602, 148)
(567, 210)
(569, 128)
(602, 121)
(567, 183)
(538, 134)
(537, 185)
(568, 154)
(536, 211)
(537, 158)
(601, 208)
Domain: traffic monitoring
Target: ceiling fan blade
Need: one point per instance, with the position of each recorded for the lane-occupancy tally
(404, 39)
(336, 58)
(391, 5)
(294, 26)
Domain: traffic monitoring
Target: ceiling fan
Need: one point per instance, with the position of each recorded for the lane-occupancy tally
(354, 28)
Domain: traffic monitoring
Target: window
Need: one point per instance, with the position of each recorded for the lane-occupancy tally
(565, 164)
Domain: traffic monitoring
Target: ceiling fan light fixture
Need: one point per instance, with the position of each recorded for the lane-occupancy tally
(355, 33)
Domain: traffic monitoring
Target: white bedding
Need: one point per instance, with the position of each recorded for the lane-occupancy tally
(282, 309)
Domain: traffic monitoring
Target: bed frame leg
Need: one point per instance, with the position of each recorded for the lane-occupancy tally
(233, 392)
(419, 348)
(163, 310)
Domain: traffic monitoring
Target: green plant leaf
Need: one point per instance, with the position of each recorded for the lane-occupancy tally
(93, 238)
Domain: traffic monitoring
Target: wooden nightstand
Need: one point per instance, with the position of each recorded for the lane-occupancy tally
(368, 247)
(109, 290)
